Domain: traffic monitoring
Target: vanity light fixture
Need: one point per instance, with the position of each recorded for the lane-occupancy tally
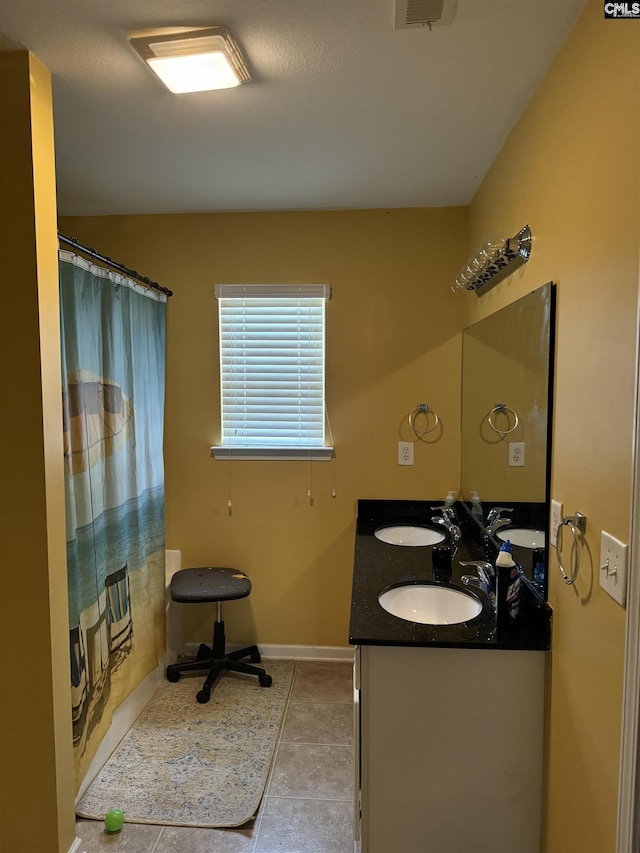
(193, 60)
(494, 261)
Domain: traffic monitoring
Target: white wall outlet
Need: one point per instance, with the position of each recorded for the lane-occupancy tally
(614, 557)
(516, 454)
(405, 453)
(554, 521)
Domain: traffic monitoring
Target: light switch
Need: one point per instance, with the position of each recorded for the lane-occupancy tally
(614, 557)
(554, 520)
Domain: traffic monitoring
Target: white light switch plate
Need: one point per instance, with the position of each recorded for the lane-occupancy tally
(614, 557)
(554, 521)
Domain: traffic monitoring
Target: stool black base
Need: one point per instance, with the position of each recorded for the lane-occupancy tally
(215, 659)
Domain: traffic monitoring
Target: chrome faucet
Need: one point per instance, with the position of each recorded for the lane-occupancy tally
(495, 520)
(484, 580)
(448, 520)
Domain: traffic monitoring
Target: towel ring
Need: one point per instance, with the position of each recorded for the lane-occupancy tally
(577, 524)
(423, 408)
(502, 407)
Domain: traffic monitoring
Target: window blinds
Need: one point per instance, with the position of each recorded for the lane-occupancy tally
(272, 346)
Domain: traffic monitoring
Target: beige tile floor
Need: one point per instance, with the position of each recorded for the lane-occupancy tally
(308, 805)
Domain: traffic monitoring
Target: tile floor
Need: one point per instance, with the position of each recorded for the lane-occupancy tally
(308, 805)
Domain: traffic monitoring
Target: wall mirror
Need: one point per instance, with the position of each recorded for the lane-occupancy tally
(507, 389)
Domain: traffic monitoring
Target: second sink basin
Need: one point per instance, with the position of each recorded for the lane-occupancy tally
(525, 537)
(430, 604)
(405, 534)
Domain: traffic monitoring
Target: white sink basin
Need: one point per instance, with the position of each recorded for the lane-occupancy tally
(430, 604)
(403, 534)
(525, 537)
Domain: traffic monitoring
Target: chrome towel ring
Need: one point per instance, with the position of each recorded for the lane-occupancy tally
(577, 524)
(423, 409)
(510, 414)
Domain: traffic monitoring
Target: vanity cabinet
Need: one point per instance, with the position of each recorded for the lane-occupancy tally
(448, 749)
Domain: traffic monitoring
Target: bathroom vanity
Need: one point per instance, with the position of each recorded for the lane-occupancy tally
(449, 717)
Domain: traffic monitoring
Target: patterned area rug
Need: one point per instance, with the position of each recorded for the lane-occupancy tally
(185, 764)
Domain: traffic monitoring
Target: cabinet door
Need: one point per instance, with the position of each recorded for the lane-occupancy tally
(451, 743)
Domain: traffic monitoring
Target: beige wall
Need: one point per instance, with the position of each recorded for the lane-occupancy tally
(392, 341)
(36, 806)
(570, 170)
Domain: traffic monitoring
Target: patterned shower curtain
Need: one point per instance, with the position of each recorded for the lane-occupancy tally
(113, 358)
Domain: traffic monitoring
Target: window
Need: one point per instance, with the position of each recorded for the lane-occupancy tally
(272, 344)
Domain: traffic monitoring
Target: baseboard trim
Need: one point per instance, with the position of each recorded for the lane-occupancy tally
(76, 847)
(281, 652)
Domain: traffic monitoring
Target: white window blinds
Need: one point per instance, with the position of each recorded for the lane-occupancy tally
(272, 348)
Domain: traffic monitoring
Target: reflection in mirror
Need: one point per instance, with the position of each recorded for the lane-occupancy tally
(507, 363)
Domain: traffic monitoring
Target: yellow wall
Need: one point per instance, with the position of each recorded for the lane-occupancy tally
(36, 806)
(392, 341)
(570, 170)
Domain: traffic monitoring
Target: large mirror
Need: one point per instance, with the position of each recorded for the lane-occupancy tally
(507, 363)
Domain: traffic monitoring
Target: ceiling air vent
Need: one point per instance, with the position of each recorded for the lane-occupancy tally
(424, 13)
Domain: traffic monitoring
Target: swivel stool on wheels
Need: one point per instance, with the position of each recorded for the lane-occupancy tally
(217, 584)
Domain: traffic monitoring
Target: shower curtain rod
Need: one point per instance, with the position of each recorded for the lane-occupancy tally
(72, 241)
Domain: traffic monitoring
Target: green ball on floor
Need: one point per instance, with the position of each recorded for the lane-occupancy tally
(114, 820)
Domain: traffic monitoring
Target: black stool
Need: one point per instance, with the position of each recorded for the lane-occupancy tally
(191, 586)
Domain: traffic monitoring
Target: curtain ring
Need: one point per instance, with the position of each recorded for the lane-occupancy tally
(502, 407)
(568, 522)
(423, 408)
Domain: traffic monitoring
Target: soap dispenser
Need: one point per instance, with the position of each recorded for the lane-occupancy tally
(450, 499)
(476, 507)
(508, 583)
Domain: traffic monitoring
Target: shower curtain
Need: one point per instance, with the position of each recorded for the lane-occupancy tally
(113, 356)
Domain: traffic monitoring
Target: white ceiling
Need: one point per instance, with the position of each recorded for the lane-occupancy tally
(343, 111)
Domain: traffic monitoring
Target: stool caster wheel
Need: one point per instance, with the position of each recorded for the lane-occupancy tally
(203, 696)
(265, 680)
(255, 657)
(173, 676)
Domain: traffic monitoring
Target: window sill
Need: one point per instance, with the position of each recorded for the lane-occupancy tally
(307, 454)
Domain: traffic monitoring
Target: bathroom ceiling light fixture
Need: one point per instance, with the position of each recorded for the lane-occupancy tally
(496, 259)
(193, 60)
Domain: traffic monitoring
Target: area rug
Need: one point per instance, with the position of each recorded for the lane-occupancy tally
(185, 764)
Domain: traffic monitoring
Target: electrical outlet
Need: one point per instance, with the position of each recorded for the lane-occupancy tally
(614, 556)
(405, 453)
(516, 454)
(554, 521)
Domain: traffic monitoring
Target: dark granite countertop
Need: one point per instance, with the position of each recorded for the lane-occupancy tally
(378, 565)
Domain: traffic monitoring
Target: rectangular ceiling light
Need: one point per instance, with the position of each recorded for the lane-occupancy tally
(194, 61)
